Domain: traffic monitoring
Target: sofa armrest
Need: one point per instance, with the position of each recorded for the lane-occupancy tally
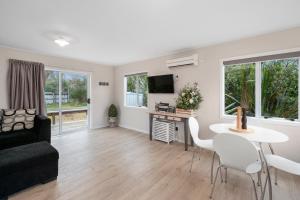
(42, 127)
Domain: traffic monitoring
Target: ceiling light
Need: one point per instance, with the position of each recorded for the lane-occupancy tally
(62, 42)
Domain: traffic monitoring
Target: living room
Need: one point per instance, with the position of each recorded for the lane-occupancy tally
(137, 62)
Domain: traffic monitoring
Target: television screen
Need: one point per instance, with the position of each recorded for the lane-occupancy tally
(161, 84)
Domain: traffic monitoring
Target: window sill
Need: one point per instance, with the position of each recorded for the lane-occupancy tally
(135, 107)
(275, 121)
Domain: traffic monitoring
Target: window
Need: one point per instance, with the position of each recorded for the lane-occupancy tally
(267, 86)
(136, 90)
(240, 88)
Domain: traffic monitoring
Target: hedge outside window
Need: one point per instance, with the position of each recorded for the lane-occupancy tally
(267, 88)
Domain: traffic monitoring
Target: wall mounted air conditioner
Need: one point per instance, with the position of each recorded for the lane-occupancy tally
(184, 61)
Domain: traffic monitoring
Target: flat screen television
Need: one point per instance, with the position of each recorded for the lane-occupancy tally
(161, 84)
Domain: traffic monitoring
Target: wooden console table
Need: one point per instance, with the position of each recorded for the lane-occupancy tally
(175, 118)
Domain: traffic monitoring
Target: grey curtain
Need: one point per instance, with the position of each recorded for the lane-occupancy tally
(26, 82)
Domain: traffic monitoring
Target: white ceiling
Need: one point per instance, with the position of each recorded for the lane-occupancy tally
(121, 31)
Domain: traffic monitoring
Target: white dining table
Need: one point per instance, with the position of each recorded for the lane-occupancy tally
(259, 135)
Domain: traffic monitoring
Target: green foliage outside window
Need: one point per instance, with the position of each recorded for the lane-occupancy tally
(138, 84)
(75, 85)
(240, 88)
(279, 88)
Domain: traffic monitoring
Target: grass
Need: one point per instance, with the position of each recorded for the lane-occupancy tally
(66, 106)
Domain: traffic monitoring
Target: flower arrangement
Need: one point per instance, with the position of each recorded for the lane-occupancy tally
(189, 97)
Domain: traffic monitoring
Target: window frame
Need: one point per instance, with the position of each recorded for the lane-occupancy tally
(258, 117)
(125, 91)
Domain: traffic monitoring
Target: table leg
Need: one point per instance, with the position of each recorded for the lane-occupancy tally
(268, 173)
(150, 126)
(185, 134)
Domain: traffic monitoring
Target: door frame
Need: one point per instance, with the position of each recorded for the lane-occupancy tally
(86, 73)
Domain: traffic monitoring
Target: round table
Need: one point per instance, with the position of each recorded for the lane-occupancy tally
(259, 135)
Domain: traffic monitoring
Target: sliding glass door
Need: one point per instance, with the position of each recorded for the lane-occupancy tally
(67, 97)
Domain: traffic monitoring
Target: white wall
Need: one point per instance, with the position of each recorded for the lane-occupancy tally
(101, 96)
(208, 76)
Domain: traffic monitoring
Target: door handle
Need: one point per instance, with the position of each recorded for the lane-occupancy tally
(88, 101)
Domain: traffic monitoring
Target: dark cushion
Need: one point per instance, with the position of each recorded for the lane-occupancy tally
(17, 138)
(26, 156)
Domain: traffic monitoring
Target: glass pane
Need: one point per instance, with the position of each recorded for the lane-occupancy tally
(74, 101)
(240, 88)
(280, 88)
(52, 99)
(137, 90)
(143, 90)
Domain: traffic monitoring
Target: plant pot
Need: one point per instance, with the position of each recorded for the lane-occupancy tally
(185, 112)
(112, 121)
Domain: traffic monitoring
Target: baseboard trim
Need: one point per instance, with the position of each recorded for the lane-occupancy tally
(142, 131)
(99, 126)
(134, 129)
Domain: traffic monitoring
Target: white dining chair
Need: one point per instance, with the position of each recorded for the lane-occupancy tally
(237, 153)
(202, 144)
(283, 164)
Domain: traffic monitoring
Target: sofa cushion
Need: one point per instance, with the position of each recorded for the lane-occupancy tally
(26, 156)
(16, 138)
(12, 119)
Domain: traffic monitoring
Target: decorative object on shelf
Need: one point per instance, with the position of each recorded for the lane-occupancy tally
(112, 114)
(163, 107)
(156, 107)
(241, 121)
(238, 118)
(189, 99)
(244, 119)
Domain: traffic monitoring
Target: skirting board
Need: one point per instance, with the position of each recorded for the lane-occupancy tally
(99, 126)
(134, 129)
(143, 131)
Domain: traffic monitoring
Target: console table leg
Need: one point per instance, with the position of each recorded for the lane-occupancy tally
(150, 126)
(185, 134)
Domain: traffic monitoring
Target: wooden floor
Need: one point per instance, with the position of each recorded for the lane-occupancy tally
(122, 164)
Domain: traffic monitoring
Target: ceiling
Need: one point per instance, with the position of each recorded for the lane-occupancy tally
(115, 32)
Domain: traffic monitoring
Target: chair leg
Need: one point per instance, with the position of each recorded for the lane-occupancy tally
(259, 183)
(192, 161)
(213, 188)
(276, 176)
(258, 179)
(254, 187)
(212, 168)
(201, 150)
(276, 171)
(220, 171)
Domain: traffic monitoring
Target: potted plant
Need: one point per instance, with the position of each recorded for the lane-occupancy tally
(189, 99)
(112, 115)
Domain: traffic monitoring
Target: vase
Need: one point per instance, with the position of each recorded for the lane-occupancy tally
(244, 118)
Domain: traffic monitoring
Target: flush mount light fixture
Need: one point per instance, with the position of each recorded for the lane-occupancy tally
(60, 38)
(62, 42)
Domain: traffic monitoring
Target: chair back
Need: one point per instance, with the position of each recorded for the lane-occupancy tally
(194, 128)
(235, 151)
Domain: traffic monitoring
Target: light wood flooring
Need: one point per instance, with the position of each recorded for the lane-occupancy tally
(123, 164)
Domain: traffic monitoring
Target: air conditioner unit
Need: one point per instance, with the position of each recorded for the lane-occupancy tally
(184, 61)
